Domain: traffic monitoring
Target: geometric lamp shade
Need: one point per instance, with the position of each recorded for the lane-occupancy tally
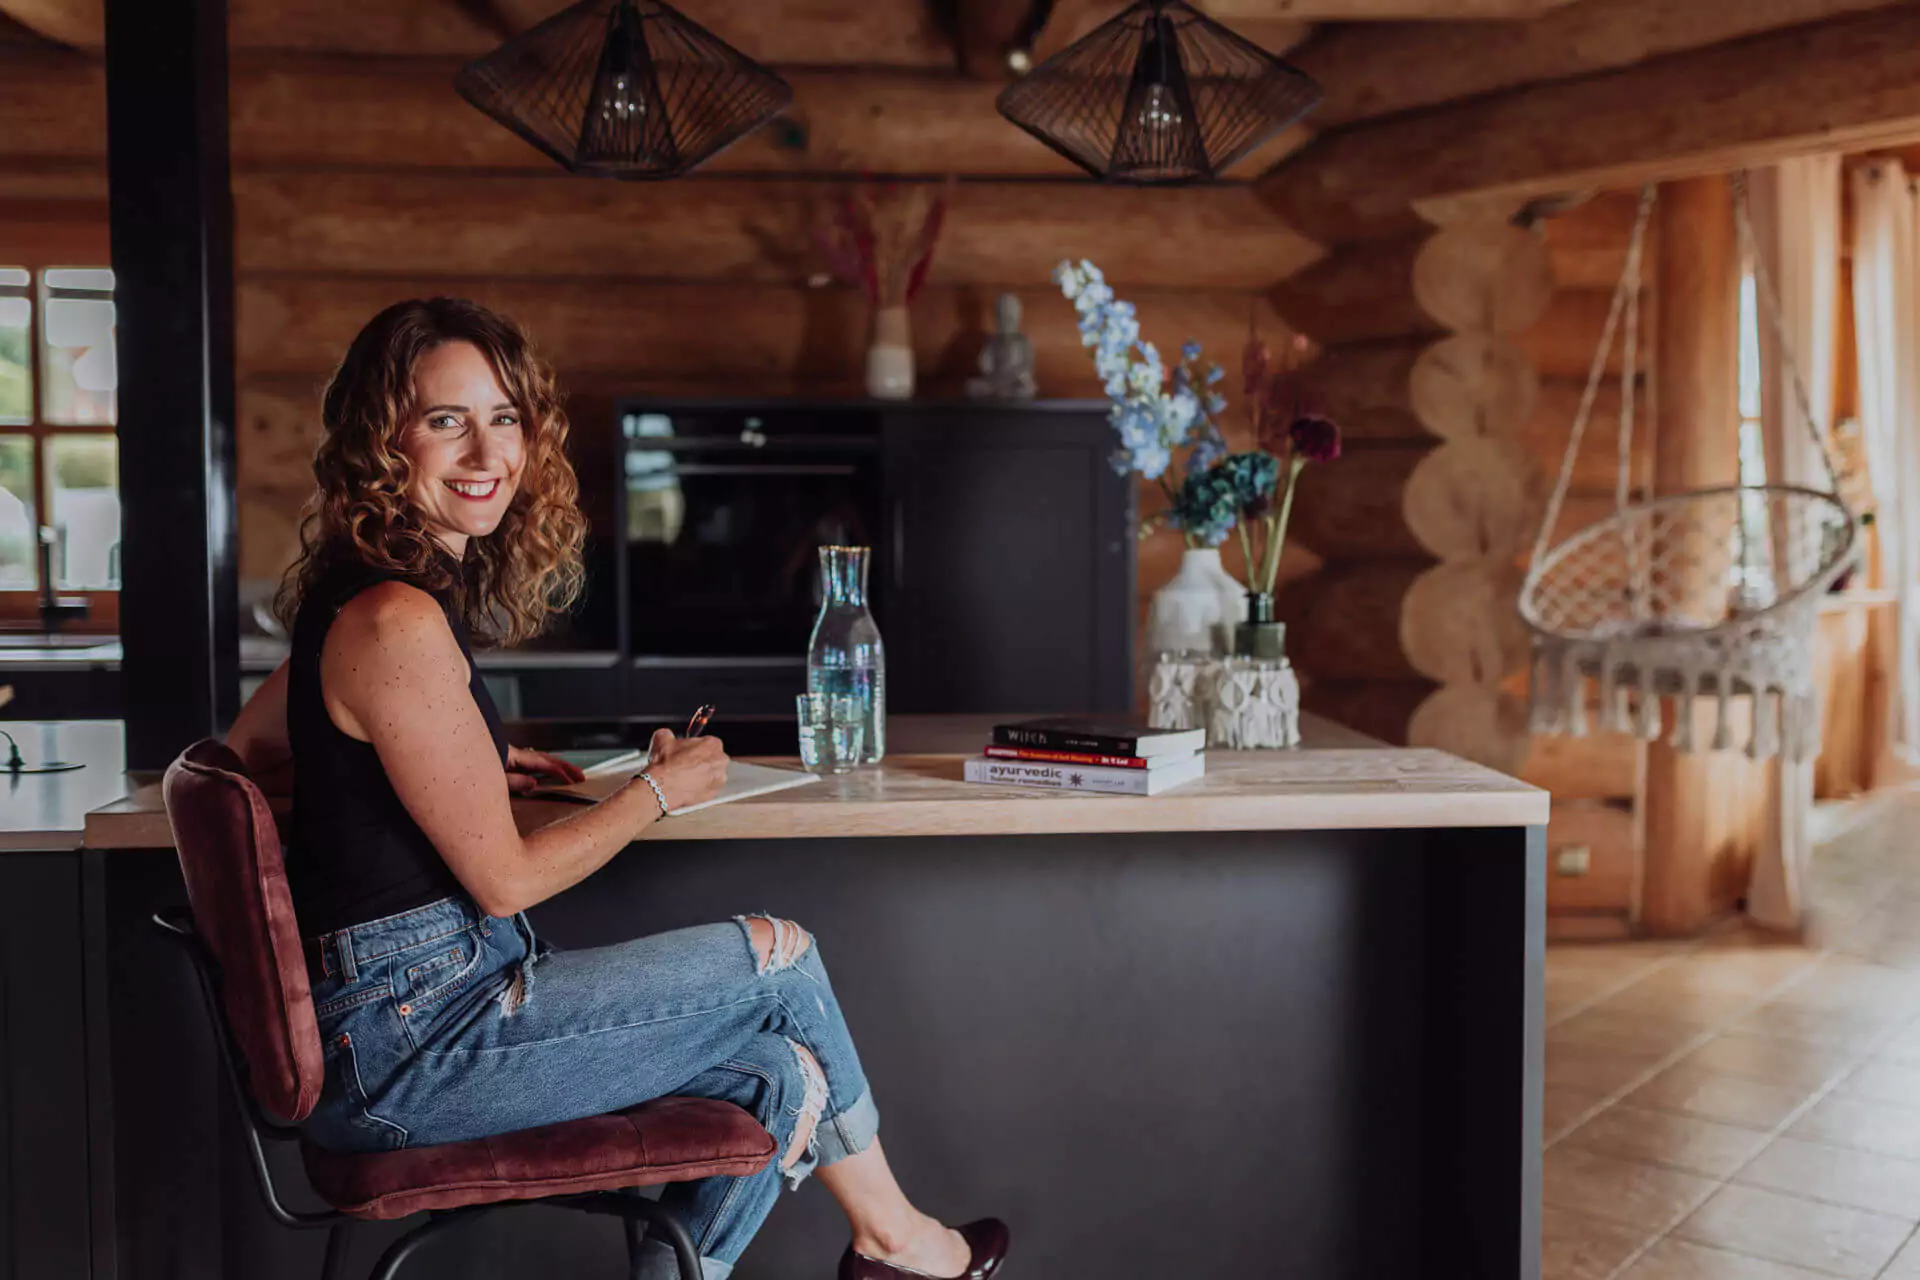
(624, 89)
(1159, 94)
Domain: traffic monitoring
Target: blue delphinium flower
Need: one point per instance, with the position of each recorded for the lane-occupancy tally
(1155, 410)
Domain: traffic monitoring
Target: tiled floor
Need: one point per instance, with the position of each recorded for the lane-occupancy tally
(1740, 1109)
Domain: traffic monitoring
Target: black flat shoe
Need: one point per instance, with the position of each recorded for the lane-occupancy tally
(987, 1239)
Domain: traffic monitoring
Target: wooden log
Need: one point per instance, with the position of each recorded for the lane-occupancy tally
(1595, 466)
(55, 231)
(722, 229)
(295, 110)
(78, 24)
(811, 32)
(1609, 837)
(1691, 837)
(1384, 70)
(1352, 508)
(1459, 622)
(1707, 111)
(1600, 766)
(1478, 276)
(1562, 342)
(1588, 244)
(1472, 385)
(1381, 709)
(712, 338)
(1483, 277)
(1474, 497)
(34, 179)
(1344, 622)
(1485, 725)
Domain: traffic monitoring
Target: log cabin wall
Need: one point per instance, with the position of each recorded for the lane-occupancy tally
(360, 178)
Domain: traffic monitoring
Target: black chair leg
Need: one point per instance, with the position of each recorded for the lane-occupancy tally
(633, 1208)
(400, 1250)
(636, 1241)
(338, 1237)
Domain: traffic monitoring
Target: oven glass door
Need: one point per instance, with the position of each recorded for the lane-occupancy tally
(725, 512)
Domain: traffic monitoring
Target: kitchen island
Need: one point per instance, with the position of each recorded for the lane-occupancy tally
(1284, 1021)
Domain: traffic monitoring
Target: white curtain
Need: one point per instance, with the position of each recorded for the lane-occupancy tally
(1796, 225)
(1886, 312)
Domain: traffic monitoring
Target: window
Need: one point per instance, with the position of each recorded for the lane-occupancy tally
(59, 458)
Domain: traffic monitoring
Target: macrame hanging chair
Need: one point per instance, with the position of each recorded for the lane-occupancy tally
(1709, 594)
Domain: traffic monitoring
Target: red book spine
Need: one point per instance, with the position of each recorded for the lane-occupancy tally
(1066, 757)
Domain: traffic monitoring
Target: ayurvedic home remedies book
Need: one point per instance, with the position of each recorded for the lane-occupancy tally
(1066, 777)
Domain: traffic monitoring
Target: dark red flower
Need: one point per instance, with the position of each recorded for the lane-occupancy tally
(1315, 438)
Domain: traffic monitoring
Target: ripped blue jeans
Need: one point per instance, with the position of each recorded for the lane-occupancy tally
(442, 1024)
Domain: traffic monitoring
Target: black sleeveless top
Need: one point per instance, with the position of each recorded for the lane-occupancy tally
(355, 854)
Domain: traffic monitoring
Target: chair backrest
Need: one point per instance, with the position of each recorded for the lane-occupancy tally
(237, 884)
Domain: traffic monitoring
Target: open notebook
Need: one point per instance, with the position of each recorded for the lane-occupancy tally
(743, 780)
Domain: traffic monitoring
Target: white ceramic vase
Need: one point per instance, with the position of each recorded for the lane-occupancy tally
(1198, 608)
(890, 356)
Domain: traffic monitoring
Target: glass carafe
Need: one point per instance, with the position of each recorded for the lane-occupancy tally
(845, 657)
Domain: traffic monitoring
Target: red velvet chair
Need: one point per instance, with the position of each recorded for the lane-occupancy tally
(245, 945)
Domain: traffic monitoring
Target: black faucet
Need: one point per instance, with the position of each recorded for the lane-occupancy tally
(55, 610)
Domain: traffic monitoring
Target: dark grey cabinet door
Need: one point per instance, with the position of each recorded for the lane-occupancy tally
(1007, 563)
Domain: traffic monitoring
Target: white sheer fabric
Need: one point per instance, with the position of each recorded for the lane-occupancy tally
(1886, 310)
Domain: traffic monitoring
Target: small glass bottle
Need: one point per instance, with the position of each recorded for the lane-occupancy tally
(845, 657)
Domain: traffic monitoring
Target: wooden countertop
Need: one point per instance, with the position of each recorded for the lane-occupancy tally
(47, 811)
(1368, 787)
(1337, 779)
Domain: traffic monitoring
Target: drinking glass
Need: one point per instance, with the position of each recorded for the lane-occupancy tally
(832, 732)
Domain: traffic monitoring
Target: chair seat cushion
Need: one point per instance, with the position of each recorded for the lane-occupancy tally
(666, 1140)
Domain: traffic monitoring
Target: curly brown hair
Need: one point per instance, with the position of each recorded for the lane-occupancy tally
(514, 580)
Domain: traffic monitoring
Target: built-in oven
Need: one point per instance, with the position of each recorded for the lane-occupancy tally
(723, 509)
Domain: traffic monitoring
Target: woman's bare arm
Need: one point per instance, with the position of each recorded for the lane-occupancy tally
(259, 735)
(393, 675)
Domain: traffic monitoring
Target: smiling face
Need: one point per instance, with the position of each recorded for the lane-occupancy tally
(466, 444)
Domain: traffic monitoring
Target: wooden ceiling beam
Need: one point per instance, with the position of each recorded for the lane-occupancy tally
(1373, 70)
(1848, 83)
(737, 230)
(1381, 10)
(78, 24)
(302, 110)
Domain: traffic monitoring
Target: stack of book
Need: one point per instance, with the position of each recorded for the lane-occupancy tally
(1090, 755)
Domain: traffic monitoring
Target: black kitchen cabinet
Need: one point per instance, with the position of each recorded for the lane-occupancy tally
(1006, 561)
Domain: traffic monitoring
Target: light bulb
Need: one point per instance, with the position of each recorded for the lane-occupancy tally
(1159, 113)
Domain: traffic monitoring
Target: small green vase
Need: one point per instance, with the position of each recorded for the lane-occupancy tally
(1260, 636)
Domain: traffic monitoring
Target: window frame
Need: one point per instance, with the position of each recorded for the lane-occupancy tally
(22, 604)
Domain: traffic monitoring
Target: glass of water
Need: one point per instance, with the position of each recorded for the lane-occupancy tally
(832, 732)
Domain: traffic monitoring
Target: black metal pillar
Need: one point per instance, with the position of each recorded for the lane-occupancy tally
(173, 271)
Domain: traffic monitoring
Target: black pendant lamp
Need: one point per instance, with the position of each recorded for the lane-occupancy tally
(1160, 94)
(624, 89)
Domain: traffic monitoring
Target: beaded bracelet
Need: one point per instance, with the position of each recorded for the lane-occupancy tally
(653, 786)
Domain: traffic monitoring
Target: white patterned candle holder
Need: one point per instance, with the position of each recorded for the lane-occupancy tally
(1242, 703)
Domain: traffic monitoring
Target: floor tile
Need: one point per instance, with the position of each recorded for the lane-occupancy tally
(1667, 1137)
(1846, 1028)
(1576, 1247)
(1804, 1233)
(1784, 1062)
(1683, 1260)
(1880, 1081)
(1844, 1175)
(1870, 1126)
(1596, 1068)
(1689, 1087)
(1906, 1263)
(1564, 1108)
(1623, 1191)
(1635, 1032)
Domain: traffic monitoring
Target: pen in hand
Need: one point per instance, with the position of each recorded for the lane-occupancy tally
(698, 725)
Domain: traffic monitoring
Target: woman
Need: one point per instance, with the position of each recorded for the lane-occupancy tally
(445, 502)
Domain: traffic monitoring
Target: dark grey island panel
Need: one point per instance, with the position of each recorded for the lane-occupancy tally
(1294, 1053)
